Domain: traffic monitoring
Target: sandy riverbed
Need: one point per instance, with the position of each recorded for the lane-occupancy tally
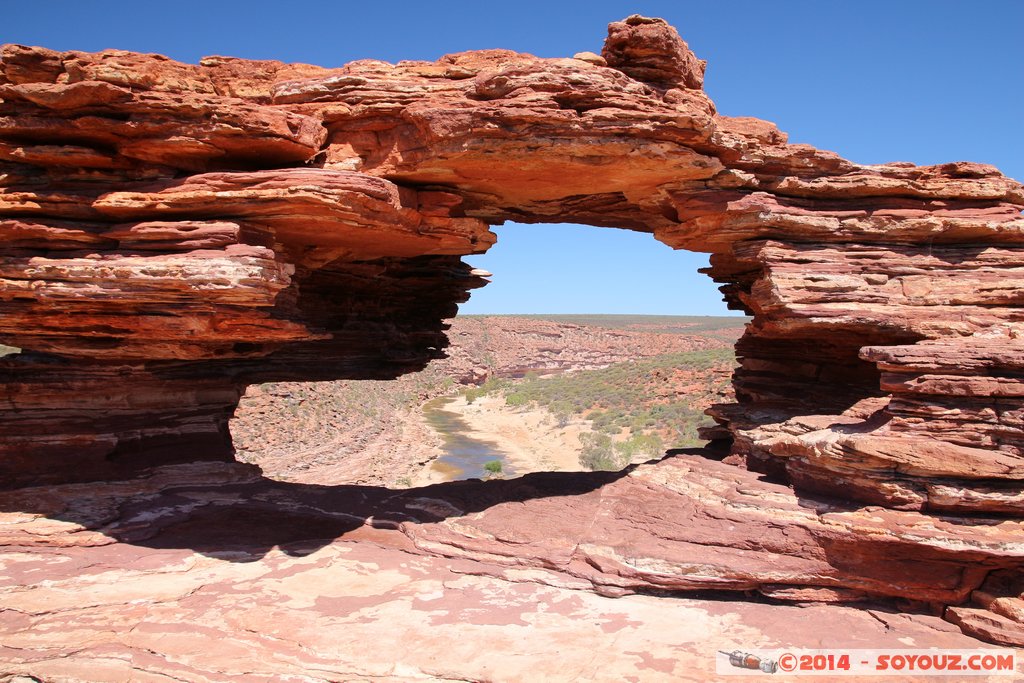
(532, 440)
(404, 450)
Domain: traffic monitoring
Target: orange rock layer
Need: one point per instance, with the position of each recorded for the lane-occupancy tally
(170, 233)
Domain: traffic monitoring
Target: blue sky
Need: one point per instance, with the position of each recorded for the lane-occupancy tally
(922, 81)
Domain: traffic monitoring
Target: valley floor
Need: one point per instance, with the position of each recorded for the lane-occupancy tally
(374, 432)
(531, 440)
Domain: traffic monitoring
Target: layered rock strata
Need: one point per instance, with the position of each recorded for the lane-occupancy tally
(170, 233)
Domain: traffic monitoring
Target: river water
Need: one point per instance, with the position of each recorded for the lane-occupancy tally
(464, 456)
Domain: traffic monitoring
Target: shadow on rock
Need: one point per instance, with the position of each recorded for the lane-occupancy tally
(233, 512)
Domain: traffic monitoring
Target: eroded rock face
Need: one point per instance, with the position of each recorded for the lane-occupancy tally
(170, 233)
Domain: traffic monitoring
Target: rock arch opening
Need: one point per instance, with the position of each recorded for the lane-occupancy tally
(545, 391)
(545, 386)
(340, 256)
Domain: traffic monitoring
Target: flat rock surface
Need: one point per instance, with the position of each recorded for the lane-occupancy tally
(135, 580)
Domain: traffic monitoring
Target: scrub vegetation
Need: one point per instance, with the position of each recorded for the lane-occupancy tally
(637, 409)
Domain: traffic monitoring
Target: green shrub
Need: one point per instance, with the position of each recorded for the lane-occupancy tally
(598, 453)
(563, 412)
(516, 400)
(641, 445)
(493, 467)
(493, 384)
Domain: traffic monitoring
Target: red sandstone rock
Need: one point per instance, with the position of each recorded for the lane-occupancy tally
(306, 578)
(206, 571)
(172, 232)
(650, 50)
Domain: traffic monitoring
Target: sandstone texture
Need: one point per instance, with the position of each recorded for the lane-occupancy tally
(170, 233)
(210, 572)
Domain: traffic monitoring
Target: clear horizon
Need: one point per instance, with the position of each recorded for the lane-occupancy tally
(927, 81)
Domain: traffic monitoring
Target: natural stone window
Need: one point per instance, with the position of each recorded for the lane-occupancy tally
(171, 233)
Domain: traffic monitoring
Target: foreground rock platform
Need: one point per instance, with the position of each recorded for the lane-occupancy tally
(170, 233)
(133, 580)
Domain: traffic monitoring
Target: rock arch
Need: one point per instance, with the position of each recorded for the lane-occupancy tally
(170, 233)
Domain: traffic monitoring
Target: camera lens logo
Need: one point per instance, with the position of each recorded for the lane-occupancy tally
(745, 660)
